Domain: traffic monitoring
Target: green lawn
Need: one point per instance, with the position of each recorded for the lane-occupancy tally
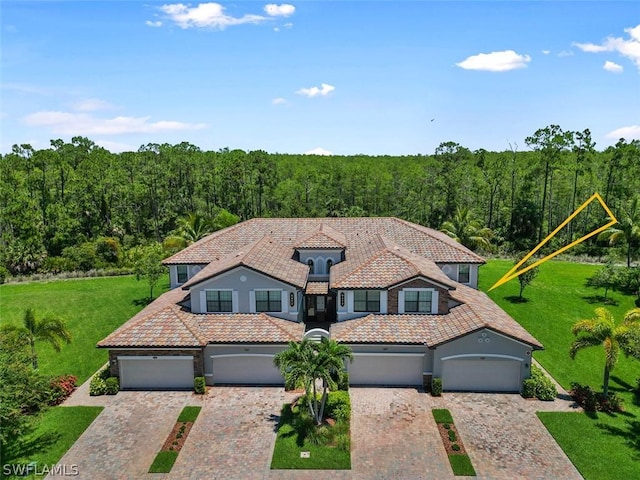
(163, 463)
(92, 308)
(52, 435)
(557, 298)
(289, 445)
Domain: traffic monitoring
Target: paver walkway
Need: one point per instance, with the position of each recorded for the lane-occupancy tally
(393, 436)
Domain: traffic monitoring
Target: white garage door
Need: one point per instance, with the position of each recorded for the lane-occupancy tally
(386, 369)
(475, 375)
(246, 369)
(158, 373)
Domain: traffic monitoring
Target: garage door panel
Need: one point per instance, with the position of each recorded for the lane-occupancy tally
(161, 373)
(246, 370)
(383, 369)
(481, 375)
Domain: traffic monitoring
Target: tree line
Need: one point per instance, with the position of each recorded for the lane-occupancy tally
(75, 199)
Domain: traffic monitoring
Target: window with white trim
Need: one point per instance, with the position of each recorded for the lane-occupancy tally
(366, 301)
(418, 301)
(219, 301)
(464, 273)
(183, 273)
(268, 301)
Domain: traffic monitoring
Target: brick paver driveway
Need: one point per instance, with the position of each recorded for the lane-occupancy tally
(393, 436)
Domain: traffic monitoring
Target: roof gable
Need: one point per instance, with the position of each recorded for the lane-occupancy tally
(323, 237)
(380, 263)
(265, 256)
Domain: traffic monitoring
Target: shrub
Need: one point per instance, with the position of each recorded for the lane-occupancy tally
(436, 387)
(592, 401)
(638, 387)
(544, 388)
(529, 388)
(343, 381)
(455, 447)
(452, 435)
(61, 387)
(104, 373)
(343, 442)
(446, 426)
(97, 386)
(199, 385)
(338, 405)
(318, 435)
(112, 386)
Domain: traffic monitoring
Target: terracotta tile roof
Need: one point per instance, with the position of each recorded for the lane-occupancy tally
(322, 237)
(248, 328)
(167, 324)
(159, 324)
(381, 263)
(264, 255)
(433, 330)
(317, 288)
(429, 243)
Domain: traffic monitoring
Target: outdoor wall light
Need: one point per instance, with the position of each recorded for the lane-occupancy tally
(292, 299)
(342, 299)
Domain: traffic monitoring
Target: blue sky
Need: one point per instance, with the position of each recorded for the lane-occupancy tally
(344, 77)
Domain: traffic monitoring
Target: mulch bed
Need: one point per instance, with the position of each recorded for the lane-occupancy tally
(173, 436)
(444, 434)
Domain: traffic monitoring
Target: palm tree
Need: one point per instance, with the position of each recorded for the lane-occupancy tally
(467, 230)
(602, 330)
(190, 229)
(307, 362)
(49, 329)
(627, 230)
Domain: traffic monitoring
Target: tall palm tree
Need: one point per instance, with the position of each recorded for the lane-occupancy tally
(49, 329)
(602, 330)
(627, 230)
(308, 361)
(467, 230)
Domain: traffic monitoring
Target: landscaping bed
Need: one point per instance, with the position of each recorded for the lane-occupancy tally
(458, 458)
(163, 463)
(301, 444)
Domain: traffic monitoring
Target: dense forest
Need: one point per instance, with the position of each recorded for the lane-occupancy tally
(76, 205)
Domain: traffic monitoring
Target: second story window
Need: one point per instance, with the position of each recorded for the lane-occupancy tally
(183, 274)
(329, 265)
(464, 273)
(418, 301)
(366, 301)
(219, 301)
(311, 267)
(268, 301)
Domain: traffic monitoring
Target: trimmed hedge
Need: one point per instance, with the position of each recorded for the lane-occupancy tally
(112, 386)
(436, 387)
(199, 385)
(539, 386)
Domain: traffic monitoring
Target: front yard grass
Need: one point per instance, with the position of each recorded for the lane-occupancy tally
(601, 446)
(461, 466)
(295, 435)
(163, 463)
(92, 309)
(54, 432)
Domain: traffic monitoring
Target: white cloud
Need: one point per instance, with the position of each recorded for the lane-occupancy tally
(631, 132)
(318, 151)
(67, 123)
(91, 105)
(565, 53)
(324, 90)
(279, 101)
(284, 10)
(495, 61)
(209, 15)
(612, 67)
(628, 48)
(149, 23)
(546, 52)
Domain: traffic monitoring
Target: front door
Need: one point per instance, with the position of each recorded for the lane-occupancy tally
(320, 308)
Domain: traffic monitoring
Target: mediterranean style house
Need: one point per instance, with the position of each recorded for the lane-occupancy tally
(404, 298)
